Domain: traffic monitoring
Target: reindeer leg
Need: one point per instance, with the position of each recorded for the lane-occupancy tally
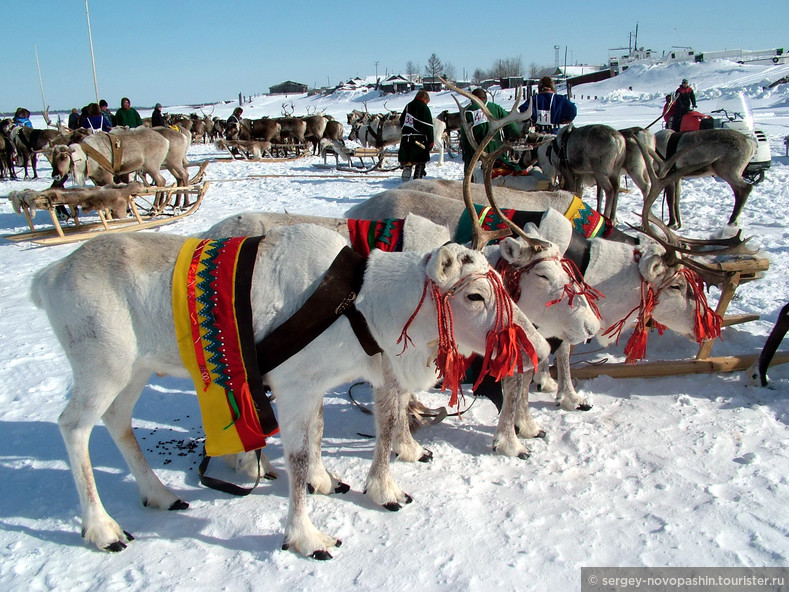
(741, 193)
(525, 425)
(566, 397)
(117, 418)
(297, 418)
(380, 484)
(404, 446)
(319, 480)
(102, 380)
(505, 440)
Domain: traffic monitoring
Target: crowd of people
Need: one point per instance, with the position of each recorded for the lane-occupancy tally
(98, 117)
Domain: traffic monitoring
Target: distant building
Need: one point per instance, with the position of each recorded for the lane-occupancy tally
(396, 84)
(511, 82)
(288, 87)
(432, 84)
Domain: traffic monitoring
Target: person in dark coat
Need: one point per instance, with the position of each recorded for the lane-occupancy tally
(157, 119)
(73, 119)
(417, 139)
(684, 101)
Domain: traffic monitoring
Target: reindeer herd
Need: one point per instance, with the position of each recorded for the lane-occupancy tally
(427, 308)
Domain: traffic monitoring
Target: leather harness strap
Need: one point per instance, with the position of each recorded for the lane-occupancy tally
(116, 154)
(334, 296)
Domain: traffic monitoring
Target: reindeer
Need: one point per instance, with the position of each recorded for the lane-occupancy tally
(721, 152)
(28, 142)
(380, 131)
(612, 266)
(115, 342)
(315, 130)
(7, 153)
(97, 156)
(591, 150)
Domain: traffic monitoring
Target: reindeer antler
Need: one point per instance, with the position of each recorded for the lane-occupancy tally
(480, 236)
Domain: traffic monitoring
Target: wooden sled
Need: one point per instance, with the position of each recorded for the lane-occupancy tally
(199, 176)
(737, 271)
(369, 160)
(145, 213)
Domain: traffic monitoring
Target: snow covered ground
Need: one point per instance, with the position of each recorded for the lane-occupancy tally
(677, 471)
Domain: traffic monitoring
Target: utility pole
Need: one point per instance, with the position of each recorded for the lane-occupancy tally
(376, 70)
(92, 57)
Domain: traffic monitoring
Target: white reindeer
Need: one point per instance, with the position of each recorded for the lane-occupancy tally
(115, 342)
(542, 278)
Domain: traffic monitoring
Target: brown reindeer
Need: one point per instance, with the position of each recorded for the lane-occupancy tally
(721, 152)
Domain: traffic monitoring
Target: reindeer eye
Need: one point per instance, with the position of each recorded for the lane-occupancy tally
(675, 287)
(542, 277)
(475, 297)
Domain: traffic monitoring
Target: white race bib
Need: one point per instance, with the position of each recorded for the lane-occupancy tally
(409, 121)
(479, 117)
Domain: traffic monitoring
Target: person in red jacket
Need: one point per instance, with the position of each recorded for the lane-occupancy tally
(684, 101)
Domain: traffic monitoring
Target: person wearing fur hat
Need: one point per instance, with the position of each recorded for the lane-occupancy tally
(549, 110)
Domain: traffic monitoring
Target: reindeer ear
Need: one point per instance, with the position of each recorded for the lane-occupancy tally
(444, 266)
(652, 266)
(513, 250)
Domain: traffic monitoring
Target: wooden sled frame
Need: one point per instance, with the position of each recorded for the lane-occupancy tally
(737, 272)
(155, 216)
(376, 156)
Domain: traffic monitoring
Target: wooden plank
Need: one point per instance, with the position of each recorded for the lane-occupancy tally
(739, 319)
(674, 368)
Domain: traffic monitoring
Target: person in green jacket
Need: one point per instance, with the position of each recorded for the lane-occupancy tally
(127, 115)
(416, 143)
(479, 127)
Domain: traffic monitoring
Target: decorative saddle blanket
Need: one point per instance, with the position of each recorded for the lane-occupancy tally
(586, 221)
(386, 235)
(213, 325)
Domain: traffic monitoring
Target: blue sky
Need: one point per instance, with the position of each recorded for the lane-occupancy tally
(201, 51)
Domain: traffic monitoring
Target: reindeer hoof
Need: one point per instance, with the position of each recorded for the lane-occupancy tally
(584, 407)
(269, 476)
(426, 457)
(310, 489)
(524, 455)
(342, 488)
(393, 506)
(540, 434)
(321, 555)
(115, 547)
(179, 505)
(119, 546)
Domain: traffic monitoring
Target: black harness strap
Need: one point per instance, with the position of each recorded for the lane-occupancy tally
(334, 296)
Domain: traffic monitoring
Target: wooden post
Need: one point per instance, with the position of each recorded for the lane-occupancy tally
(726, 295)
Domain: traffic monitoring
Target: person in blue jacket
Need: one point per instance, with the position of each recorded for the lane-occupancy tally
(22, 117)
(94, 119)
(549, 110)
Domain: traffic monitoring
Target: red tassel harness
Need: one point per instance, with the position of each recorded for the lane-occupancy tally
(503, 345)
(575, 287)
(707, 323)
